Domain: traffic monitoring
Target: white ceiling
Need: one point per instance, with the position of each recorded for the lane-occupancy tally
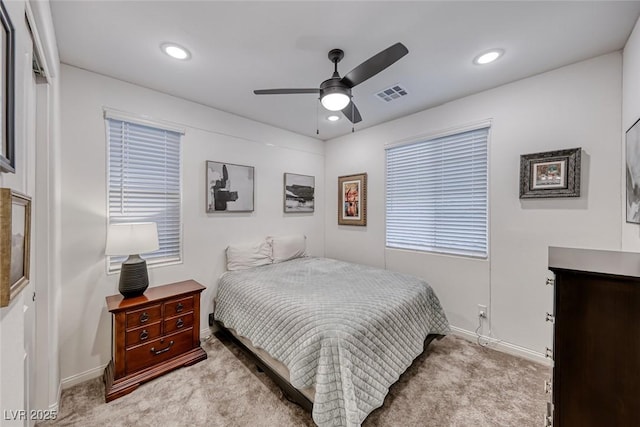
(239, 46)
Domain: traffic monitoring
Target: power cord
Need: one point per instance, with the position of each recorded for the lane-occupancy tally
(488, 338)
(478, 336)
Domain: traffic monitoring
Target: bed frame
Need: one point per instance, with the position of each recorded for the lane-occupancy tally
(290, 392)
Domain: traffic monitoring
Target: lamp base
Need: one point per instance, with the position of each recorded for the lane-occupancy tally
(134, 279)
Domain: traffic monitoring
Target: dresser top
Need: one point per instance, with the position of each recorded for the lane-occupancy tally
(156, 293)
(596, 261)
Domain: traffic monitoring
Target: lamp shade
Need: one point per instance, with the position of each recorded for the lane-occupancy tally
(132, 238)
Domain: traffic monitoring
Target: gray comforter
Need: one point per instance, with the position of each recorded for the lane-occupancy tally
(348, 329)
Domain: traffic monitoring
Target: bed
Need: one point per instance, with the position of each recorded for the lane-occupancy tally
(340, 333)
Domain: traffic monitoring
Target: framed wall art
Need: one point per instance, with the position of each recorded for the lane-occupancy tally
(352, 199)
(632, 156)
(299, 193)
(229, 187)
(550, 174)
(15, 247)
(7, 101)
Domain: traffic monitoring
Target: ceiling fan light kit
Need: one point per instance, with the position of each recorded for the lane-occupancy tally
(335, 93)
(334, 99)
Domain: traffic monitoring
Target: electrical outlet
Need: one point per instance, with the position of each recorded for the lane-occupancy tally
(482, 311)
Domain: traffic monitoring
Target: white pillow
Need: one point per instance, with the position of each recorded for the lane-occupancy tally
(241, 257)
(285, 248)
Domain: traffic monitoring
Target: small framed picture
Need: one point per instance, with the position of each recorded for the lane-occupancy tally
(352, 199)
(15, 238)
(7, 93)
(550, 174)
(229, 187)
(632, 156)
(299, 193)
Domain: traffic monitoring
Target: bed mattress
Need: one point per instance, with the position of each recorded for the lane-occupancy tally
(346, 329)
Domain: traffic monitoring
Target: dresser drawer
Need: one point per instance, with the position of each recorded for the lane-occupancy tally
(177, 306)
(142, 334)
(144, 316)
(178, 322)
(159, 350)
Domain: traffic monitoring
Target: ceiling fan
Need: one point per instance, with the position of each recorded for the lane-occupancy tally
(335, 93)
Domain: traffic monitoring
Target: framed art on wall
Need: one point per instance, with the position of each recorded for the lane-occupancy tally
(632, 156)
(550, 174)
(15, 238)
(299, 193)
(229, 187)
(7, 140)
(352, 199)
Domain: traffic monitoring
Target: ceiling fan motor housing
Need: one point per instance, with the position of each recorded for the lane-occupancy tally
(334, 85)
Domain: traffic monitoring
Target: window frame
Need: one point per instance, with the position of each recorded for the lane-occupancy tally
(433, 136)
(142, 120)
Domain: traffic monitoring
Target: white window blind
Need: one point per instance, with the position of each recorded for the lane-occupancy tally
(436, 194)
(144, 185)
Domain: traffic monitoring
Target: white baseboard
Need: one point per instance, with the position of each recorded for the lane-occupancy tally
(503, 346)
(82, 377)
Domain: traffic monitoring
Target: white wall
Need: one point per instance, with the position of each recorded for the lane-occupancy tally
(210, 135)
(574, 106)
(630, 113)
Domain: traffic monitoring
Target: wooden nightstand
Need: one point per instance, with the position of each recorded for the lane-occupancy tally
(153, 334)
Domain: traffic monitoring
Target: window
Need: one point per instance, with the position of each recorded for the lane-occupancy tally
(436, 194)
(144, 184)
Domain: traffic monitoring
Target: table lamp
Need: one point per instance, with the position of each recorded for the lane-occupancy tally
(132, 239)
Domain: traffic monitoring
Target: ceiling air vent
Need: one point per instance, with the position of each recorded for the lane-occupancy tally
(391, 93)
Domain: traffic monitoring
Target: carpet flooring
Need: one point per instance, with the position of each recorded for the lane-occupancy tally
(453, 383)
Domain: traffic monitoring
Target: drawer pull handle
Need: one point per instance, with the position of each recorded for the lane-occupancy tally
(179, 307)
(144, 335)
(179, 323)
(144, 317)
(157, 352)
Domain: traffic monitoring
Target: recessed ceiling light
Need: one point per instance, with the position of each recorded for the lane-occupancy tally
(175, 51)
(333, 118)
(489, 56)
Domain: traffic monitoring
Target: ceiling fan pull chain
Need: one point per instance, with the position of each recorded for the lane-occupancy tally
(317, 112)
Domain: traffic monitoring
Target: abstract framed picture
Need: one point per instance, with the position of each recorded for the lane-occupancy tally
(550, 174)
(230, 187)
(299, 193)
(632, 156)
(7, 100)
(352, 199)
(15, 238)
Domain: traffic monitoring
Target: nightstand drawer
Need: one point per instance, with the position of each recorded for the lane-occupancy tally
(159, 350)
(179, 322)
(144, 316)
(177, 306)
(142, 334)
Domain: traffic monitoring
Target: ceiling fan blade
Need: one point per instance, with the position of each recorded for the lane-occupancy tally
(284, 91)
(351, 112)
(375, 64)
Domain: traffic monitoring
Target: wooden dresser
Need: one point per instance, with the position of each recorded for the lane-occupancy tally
(153, 334)
(596, 345)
